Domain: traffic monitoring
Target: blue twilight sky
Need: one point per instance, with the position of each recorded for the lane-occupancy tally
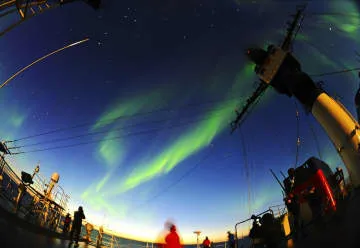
(185, 57)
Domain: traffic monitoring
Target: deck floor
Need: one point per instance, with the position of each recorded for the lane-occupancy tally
(13, 236)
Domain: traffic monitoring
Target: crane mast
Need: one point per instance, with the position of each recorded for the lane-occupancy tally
(30, 8)
(278, 68)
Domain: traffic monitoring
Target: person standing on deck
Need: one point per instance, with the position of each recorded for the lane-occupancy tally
(206, 243)
(172, 239)
(76, 226)
(315, 202)
(340, 182)
(231, 240)
(290, 181)
(67, 223)
(293, 207)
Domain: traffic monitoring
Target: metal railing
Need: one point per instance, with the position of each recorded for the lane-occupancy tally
(25, 9)
(278, 210)
(247, 220)
(30, 202)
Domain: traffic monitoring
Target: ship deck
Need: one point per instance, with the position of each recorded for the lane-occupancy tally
(15, 232)
(342, 231)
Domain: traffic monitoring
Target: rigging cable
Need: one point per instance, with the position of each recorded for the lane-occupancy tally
(317, 143)
(297, 134)
(113, 138)
(100, 132)
(335, 72)
(157, 111)
(118, 118)
(41, 59)
(247, 170)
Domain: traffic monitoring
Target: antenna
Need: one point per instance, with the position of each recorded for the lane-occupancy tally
(277, 179)
(197, 238)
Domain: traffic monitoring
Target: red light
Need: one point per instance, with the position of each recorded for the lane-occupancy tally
(325, 183)
(248, 51)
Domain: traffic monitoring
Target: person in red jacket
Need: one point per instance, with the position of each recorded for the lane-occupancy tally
(172, 239)
(206, 243)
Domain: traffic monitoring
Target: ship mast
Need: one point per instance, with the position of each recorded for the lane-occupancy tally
(29, 8)
(278, 68)
(293, 28)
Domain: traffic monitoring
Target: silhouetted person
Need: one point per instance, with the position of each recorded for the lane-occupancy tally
(67, 222)
(340, 182)
(255, 233)
(293, 206)
(76, 226)
(172, 239)
(339, 174)
(315, 203)
(231, 240)
(289, 182)
(206, 243)
(271, 231)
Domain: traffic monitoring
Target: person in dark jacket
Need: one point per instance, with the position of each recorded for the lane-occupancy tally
(76, 226)
(315, 202)
(293, 206)
(231, 240)
(67, 222)
(271, 231)
(289, 182)
(256, 233)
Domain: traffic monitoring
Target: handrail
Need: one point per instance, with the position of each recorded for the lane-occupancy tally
(241, 222)
(39, 204)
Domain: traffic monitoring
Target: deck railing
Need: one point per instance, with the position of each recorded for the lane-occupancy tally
(31, 204)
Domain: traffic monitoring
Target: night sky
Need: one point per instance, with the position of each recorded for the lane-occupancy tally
(178, 68)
